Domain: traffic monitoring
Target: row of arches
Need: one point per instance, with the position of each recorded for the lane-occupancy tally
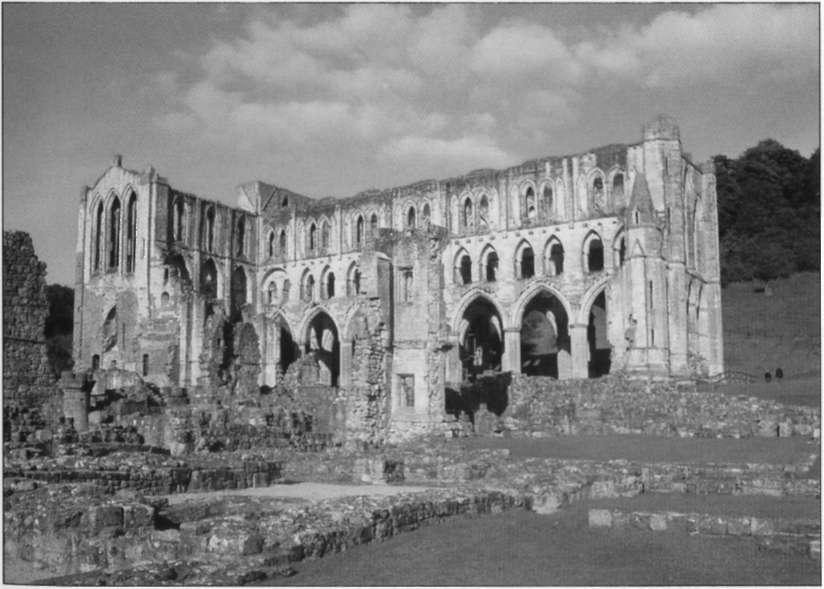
(114, 234)
(545, 337)
(524, 262)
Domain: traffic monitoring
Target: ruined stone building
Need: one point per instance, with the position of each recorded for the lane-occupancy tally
(569, 266)
(27, 378)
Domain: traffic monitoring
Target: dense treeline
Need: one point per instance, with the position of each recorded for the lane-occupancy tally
(768, 212)
(58, 328)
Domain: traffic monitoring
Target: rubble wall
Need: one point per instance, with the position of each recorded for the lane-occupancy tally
(27, 379)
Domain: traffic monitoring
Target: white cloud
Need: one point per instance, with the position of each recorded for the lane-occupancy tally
(461, 154)
(723, 44)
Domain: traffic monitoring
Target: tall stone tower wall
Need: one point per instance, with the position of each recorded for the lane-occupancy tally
(27, 379)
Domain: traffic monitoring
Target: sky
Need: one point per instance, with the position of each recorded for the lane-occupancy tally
(329, 100)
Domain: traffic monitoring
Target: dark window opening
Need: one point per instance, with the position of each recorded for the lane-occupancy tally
(145, 364)
(595, 255)
(114, 234)
(466, 269)
(98, 236)
(131, 233)
(95, 362)
(271, 243)
(330, 285)
(407, 386)
(373, 226)
(618, 187)
(282, 243)
(312, 237)
(544, 336)
(556, 259)
(600, 349)
(359, 232)
(240, 238)
(491, 266)
(410, 218)
(527, 265)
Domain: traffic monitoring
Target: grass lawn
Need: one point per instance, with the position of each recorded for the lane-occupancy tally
(523, 548)
(762, 333)
(655, 449)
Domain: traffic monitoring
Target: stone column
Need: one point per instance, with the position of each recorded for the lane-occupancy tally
(580, 351)
(512, 350)
(345, 379)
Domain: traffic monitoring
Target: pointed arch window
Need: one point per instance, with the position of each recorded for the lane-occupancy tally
(272, 293)
(313, 238)
(282, 242)
(114, 234)
(210, 229)
(240, 237)
(324, 236)
(98, 237)
(529, 202)
(427, 215)
(131, 232)
(359, 232)
(491, 266)
(178, 219)
(483, 212)
(373, 226)
(410, 218)
(595, 254)
(556, 259)
(548, 200)
(618, 187)
(271, 243)
(465, 269)
(525, 263)
(467, 217)
(598, 192)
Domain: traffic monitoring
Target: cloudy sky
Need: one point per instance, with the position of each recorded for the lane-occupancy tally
(334, 99)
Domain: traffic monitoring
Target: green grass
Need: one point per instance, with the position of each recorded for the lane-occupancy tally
(656, 449)
(733, 505)
(523, 548)
(762, 333)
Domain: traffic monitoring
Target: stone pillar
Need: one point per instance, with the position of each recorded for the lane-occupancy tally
(564, 365)
(345, 378)
(75, 400)
(452, 362)
(512, 350)
(580, 351)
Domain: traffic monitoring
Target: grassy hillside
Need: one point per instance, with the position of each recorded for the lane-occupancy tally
(777, 328)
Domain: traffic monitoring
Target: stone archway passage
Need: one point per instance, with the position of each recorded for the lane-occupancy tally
(545, 342)
(287, 350)
(323, 340)
(600, 350)
(482, 338)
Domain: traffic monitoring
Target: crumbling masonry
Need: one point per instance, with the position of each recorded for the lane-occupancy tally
(375, 305)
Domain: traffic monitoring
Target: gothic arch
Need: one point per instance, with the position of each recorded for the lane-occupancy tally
(521, 260)
(470, 297)
(489, 264)
(530, 293)
(590, 260)
(306, 321)
(582, 317)
(554, 256)
(462, 267)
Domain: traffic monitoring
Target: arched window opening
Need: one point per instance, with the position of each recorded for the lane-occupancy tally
(427, 215)
(324, 237)
(287, 287)
(307, 288)
(491, 266)
(529, 200)
(114, 234)
(483, 212)
(481, 342)
(240, 237)
(548, 200)
(599, 347)
(239, 293)
(359, 232)
(466, 269)
(285, 202)
(410, 218)
(526, 263)
(288, 350)
(272, 293)
(356, 281)
(556, 259)
(313, 230)
(373, 226)
(131, 233)
(178, 219)
(598, 192)
(468, 218)
(208, 280)
(595, 255)
(96, 362)
(271, 243)
(322, 342)
(545, 342)
(352, 281)
(622, 251)
(282, 242)
(618, 187)
(330, 285)
(98, 236)
(210, 229)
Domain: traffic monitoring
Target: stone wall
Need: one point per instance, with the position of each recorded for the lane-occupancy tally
(666, 408)
(27, 379)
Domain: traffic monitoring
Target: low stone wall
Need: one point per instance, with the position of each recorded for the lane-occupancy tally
(618, 405)
(801, 535)
(151, 474)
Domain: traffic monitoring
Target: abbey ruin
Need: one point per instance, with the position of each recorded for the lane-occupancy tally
(569, 267)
